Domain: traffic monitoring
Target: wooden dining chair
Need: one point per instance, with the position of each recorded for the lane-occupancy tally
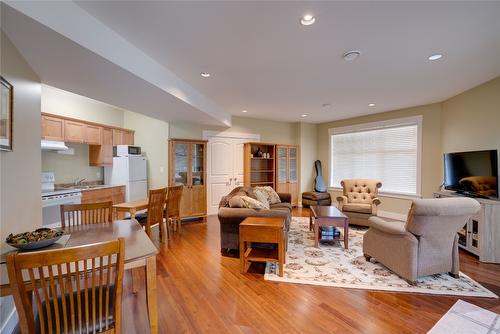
(91, 213)
(74, 290)
(173, 208)
(154, 215)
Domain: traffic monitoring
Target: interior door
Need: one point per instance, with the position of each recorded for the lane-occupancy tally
(220, 170)
(224, 167)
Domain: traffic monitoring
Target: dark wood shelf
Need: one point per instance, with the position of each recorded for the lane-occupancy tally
(257, 158)
(261, 254)
(262, 170)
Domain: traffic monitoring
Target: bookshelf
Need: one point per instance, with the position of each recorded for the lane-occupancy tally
(259, 164)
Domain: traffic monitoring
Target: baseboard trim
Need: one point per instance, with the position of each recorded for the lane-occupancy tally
(392, 215)
(10, 323)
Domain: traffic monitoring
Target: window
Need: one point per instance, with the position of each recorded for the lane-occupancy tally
(388, 151)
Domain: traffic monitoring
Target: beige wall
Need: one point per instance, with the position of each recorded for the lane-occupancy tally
(60, 102)
(270, 131)
(67, 168)
(20, 199)
(152, 136)
(431, 149)
(308, 154)
(471, 120)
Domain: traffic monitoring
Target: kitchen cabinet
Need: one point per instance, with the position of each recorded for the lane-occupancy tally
(117, 137)
(97, 195)
(287, 171)
(128, 137)
(74, 131)
(187, 167)
(94, 135)
(102, 155)
(52, 128)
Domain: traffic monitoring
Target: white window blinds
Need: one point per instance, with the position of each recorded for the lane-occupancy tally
(389, 154)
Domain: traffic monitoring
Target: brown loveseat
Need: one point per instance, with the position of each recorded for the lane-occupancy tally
(230, 218)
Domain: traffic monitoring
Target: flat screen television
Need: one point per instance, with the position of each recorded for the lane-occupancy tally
(472, 173)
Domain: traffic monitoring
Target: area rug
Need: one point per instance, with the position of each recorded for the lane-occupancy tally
(465, 318)
(332, 265)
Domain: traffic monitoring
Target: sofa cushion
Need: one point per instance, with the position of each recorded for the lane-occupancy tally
(315, 196)
(252, 203)
(357, 207)
(282, 205)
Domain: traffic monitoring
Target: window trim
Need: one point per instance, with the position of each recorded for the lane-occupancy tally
(391, 123)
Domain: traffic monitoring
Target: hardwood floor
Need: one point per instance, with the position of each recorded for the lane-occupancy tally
(200, 291)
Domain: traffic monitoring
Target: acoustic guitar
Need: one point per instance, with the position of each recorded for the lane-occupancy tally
(319, 183)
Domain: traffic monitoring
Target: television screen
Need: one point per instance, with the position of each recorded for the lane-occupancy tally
(472, 173)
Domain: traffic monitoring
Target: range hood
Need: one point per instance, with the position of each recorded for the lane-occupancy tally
(50, 145)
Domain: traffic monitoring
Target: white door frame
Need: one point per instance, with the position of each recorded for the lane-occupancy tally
(207, 134)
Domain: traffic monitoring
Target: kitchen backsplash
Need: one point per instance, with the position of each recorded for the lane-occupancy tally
(68, 167)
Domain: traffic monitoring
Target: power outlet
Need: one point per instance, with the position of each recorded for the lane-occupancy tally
(98, 174)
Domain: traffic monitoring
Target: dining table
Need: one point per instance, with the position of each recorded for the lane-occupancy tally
(131, 207)
(140, 253)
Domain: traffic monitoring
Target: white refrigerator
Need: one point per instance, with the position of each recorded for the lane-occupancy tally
(130, 171)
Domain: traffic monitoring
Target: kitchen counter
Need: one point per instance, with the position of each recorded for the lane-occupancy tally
(89, 187)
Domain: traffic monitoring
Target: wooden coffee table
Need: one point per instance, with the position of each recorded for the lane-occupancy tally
(328, 216)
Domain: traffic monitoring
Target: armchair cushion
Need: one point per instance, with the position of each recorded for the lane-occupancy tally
(357, 207)
(388, 227)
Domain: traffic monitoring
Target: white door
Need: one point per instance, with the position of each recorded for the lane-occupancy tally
(224, 165)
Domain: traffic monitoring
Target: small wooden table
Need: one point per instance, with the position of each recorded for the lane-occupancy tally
(131, 207)
(140, 252)
(328, 216)
(265, 230)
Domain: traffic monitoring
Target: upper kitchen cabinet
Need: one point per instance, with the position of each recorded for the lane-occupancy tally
(123, 137)
(102, 155)
(52, 128)
(74, 132)
(94, 134)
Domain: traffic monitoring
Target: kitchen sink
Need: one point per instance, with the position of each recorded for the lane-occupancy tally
(94, 186)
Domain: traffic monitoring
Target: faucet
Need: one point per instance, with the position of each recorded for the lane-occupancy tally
(79, 181)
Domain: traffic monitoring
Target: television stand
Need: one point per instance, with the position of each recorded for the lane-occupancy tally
(481, 234)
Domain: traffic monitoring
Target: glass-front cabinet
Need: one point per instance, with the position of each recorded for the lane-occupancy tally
(187, 161)
(287, 171)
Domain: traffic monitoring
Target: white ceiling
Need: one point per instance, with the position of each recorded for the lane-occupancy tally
(262, 60)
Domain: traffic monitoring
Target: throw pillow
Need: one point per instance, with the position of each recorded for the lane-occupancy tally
(272, 196)
(236, 202)
(262, 197)
(252, 203)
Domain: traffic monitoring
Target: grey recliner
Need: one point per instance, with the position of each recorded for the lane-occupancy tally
(426, 244)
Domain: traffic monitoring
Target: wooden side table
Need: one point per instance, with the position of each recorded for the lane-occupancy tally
(328, 216)
(265, 230)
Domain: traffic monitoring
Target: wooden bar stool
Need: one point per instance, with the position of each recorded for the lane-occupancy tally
(264, 230)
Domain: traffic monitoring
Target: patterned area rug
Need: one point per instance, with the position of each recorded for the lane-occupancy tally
(332, 265)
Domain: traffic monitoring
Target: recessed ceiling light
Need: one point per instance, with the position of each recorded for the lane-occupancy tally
(326, 105)
(351, 55)
(303, 115)
(244, 111)
(307, 20)
(436, 56)
(205, 74)
(371, 105)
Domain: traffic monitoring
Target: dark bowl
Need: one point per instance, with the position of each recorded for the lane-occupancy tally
(36, 244)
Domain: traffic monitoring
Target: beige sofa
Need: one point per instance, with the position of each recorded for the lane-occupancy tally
(359, 200)
(426, 244)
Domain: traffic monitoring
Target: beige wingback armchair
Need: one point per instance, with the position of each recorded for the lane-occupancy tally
(426, 244)
(359, 200)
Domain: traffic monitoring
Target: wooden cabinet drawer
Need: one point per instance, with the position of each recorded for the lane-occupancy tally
(97, 195)
(74, 132)
(52, 128)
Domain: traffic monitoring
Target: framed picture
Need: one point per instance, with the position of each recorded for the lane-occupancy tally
(6, 106)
